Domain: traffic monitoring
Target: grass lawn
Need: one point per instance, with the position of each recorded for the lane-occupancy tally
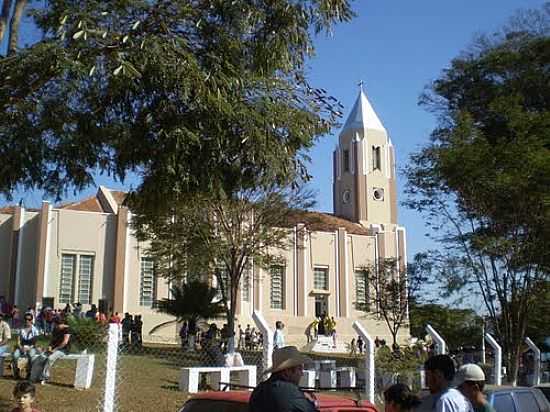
(145, 384)
(147, 381)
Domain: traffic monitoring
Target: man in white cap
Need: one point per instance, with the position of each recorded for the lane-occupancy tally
(470, 380)
(280, 393)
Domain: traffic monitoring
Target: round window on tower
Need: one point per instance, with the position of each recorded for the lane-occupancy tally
(378, 193)
(346, 196)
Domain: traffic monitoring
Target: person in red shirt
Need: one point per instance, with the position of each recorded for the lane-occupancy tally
(114, 318)
(24, 394)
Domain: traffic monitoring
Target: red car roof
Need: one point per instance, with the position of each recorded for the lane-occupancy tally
(325, 401)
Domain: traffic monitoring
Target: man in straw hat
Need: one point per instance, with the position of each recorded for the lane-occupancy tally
(280, 393)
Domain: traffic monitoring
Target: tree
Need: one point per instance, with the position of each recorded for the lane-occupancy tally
(190, 301)
(389, 287)
(13, 28)
(190, 96)
(482, 181)
(459, 327)
(221, 237)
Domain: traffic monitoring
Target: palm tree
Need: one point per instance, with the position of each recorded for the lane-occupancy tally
(192, 301)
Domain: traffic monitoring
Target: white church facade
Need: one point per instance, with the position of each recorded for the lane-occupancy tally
(86, 252)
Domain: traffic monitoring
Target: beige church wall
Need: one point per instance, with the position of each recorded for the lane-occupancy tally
(322, 253)
(27, 272)
(150, 316)
(6, 229)
(287, 259)
(82, 233)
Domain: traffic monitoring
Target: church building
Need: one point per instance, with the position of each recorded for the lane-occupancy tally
(85, 251)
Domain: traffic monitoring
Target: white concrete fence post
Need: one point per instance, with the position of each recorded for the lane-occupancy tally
(369, 360)
(267, 333)
(441, 346)
(112, 360)
(536, 350)
(498, 358)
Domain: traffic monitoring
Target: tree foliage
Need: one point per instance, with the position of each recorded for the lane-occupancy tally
(459, 327)
(205, 94)
(389, 288)
(192, 301)
(483, 179)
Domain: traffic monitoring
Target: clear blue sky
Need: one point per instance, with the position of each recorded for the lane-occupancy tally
(396, 47)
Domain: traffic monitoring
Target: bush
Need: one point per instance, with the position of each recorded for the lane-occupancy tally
(86, 333)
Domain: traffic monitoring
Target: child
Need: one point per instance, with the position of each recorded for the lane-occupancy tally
(24, 394)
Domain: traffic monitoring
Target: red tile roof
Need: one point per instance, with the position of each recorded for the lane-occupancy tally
(90, 204)
(326, 222)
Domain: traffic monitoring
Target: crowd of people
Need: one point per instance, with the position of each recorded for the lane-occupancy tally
(450, 390)
(33, 361)
(323, 325)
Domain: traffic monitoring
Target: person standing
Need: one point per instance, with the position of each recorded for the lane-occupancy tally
(360, 344)
(5, 335)
(471, 381)
(281, 393)
(25, 345)
(352, 348)
(440, 372)
(278, 336)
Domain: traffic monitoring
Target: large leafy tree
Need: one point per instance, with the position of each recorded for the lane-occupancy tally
(483, 179)
(389, 288)
(207, 236)
(203, 94)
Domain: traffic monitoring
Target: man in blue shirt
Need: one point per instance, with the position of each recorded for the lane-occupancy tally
(440, 372)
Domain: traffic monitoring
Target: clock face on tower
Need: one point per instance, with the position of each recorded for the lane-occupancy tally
(346, 196)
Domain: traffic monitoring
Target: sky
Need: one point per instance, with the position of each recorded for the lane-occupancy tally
(396, 47)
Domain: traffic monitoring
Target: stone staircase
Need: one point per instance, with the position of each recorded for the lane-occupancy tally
(325, 344)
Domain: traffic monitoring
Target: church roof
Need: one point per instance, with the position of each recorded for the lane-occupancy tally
(325, 222)
(362, 116)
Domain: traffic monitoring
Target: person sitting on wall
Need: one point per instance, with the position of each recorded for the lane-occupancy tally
(59, 346)
(5, 335)
(25, 350)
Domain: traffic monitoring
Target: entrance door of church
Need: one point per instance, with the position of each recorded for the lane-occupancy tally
(321, 305)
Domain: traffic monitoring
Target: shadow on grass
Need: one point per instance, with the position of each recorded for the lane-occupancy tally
(60, 385)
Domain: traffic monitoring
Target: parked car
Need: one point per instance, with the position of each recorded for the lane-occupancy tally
(237, 401)
(517, 399)
(544, 388)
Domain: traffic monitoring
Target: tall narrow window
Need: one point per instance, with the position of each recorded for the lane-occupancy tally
(66, 278)
(147, 282)
(277, 293)
(85, 278)
(320, 278)
(346, 160)
(376, 158)
(245, 283)
(362, 298)
(223, 276)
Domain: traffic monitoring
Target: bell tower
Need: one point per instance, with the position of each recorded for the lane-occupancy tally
(364, 173)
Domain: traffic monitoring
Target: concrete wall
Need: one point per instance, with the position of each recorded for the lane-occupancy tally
(26, 283)
(6, 228)
(82, 233)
